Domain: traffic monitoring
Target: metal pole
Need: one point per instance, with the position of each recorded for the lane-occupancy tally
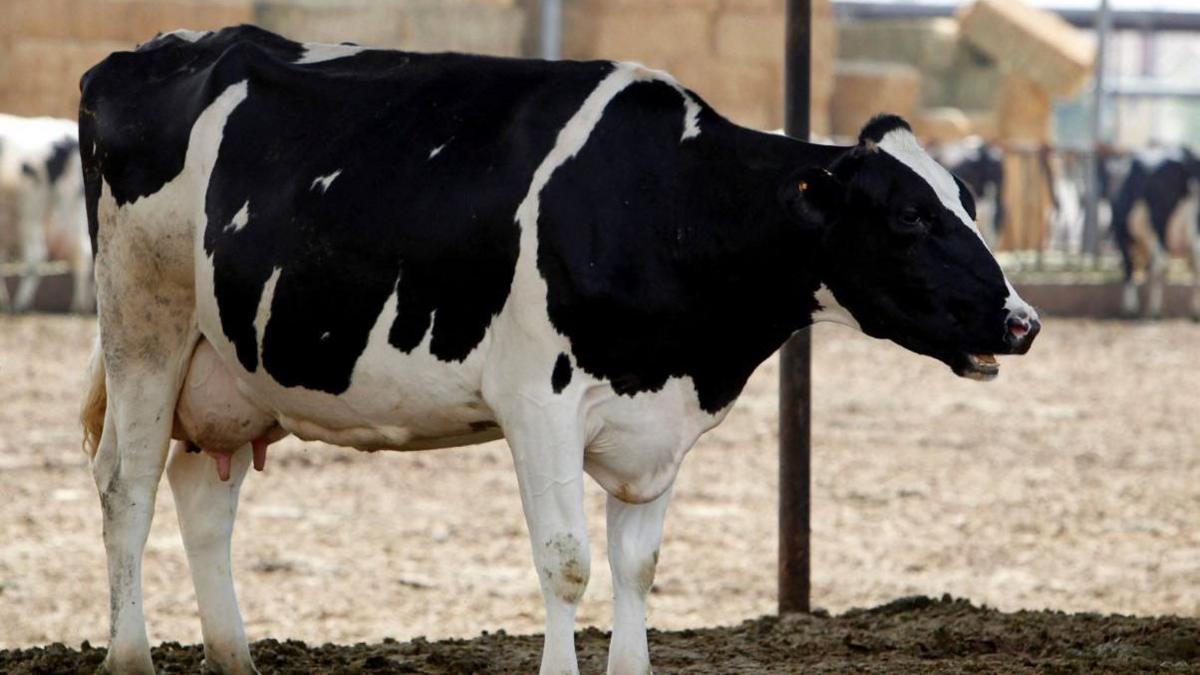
(550, 29)
(794, 361)
(1091, 222)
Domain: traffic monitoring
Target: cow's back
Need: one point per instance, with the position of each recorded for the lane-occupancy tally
(352, 200)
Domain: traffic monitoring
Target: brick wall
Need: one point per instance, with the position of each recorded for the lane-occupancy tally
(730, 51)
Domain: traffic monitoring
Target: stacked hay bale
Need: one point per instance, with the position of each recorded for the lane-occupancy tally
(729, 51)
(1041, 57)
(992, 71)
(864, 87)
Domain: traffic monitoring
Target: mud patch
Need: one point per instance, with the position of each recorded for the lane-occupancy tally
(567, 568)
(911, 635)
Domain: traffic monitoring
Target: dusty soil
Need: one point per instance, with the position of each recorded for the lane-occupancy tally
(1072, 482)
(912, 635)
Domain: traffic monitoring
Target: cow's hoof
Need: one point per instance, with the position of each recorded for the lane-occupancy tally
(237, 661)
(139, 667)
(208, 668)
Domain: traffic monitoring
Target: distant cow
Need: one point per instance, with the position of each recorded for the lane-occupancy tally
(1154, 213)
(981, 167)
(390, 250)
(41, 194)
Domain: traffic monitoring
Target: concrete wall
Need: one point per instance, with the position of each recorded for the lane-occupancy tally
(730, 51)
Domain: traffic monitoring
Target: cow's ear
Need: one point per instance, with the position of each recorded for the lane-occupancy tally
(814, 195)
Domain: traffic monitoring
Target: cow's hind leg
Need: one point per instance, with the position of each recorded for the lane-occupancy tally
(147, 338)
(548, 456)
(207, 507)
(634, 534)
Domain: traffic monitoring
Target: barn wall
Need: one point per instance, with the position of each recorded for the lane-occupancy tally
(730, 51)
(480, 26)
(45, 45)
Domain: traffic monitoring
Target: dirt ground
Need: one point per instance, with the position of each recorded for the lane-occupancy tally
(911, 635)
(1072, 483)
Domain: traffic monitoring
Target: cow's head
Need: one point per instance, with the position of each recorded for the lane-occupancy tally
(903, 260)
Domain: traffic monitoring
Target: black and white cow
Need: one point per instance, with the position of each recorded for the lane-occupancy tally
(41, 198)
(1157, 205)
(382, 249)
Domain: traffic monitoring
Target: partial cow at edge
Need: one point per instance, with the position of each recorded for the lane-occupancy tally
(391, 250)
(42, 216)
(1156, 214)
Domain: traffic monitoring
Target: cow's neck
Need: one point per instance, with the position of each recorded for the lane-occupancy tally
(756, 263)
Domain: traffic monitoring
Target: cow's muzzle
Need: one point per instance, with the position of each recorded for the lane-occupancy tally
(1020, 330)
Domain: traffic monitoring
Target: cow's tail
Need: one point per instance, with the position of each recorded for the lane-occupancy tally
(95, 400)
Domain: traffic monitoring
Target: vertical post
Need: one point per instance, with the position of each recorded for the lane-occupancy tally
(1091, 222)
(550, 29)
(794, 361)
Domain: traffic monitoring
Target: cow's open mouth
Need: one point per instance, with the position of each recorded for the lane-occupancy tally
(980, 367)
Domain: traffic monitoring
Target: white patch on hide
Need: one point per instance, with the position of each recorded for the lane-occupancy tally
(325, 181)
(315, 52)
(239, 219)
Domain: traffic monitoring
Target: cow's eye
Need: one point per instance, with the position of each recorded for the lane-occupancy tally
(911, 222)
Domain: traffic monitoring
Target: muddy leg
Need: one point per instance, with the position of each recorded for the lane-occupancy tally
(207, 508)
(147, 339)
(127, 468)
(634, 533)
(549, 465)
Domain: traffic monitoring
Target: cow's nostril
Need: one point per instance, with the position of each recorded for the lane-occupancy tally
(1021, 334)
(1035, 327)
(1018, 326)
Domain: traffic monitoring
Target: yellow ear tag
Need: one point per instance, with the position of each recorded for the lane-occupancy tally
(803, 186)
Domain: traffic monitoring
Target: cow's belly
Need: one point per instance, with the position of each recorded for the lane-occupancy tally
(395, 400)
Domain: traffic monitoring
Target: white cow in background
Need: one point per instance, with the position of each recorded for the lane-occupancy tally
(42, 213)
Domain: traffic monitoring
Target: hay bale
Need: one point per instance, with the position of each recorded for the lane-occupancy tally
(969, 84)
(863, 89)
(983, 124)
(1026, 197)
(941, 125)
(1024, 111)
(1031, 42)
(927, 44)
(822, 56)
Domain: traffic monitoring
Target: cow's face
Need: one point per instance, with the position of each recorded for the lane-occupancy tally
(905, 262)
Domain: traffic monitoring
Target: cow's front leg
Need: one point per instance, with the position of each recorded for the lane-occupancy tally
(634, 534)
(31, 216)
(1129, 299)
(548, 457)
(207, 507)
